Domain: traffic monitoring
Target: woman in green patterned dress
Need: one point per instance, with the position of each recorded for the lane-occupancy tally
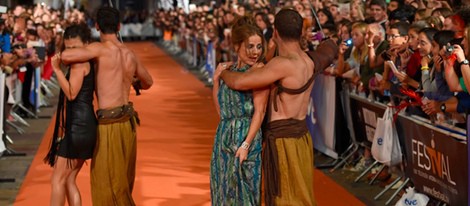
(236, 156)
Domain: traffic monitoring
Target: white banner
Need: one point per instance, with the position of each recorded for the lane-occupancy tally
(321, 115)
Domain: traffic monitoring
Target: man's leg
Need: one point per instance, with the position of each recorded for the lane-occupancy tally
(295, 156)
(113, 159)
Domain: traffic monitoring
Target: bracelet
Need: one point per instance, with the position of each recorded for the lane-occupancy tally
(424, 68)
(370, 45)
(245, 146)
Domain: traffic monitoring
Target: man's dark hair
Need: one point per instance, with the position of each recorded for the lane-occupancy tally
(443, 37)
(402, 27)
(403, 13)
(32, 32)
(288, 24)
(380, 3)
(78, 30)
(108, 20)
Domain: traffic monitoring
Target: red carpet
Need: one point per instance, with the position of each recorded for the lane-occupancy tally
(178, 123)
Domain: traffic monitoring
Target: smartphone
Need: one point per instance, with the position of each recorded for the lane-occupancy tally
(41, 52)
(3, 9)
(392, 66)
(387, 93)
(348, 42)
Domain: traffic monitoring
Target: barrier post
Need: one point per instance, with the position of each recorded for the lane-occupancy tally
(194, 52)
(210, 61)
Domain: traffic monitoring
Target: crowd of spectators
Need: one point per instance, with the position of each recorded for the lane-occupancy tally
(29, 38)
(388, 52)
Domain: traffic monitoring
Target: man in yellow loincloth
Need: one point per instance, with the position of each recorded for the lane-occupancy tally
(288, 153)
(114, 158)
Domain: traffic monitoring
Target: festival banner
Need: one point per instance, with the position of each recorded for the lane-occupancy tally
(321, 114)
(435, 161)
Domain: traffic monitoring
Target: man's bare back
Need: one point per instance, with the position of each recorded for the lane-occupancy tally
(116, 67)
(115, 74)
(299, 69)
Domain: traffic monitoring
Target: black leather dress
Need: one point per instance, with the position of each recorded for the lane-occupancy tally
(80, 122)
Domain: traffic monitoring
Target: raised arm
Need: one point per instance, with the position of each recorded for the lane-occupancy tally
(258, 77)
(72, 86)
(82, 54)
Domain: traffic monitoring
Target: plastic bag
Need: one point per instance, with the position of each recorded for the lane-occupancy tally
(386, 146)
(411, 198)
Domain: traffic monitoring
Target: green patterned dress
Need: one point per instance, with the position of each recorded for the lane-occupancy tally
(232, 184)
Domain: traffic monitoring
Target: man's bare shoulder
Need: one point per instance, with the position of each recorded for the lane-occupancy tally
(279, 63)
(96, 45)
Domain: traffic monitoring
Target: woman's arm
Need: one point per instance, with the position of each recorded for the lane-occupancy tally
(216, 80)
(215, 91)
(375, 60)
(260, 98)
(72, 86)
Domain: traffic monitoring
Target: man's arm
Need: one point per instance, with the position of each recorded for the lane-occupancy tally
(142, 74)
(257, 77)
(81, 54)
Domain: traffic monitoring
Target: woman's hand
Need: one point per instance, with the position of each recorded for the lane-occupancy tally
(56, 62)
(342, 48)
(437, 59)
(402, 76)
(458, 51)
(405, 57)
(220, 68)
(425, 61)
(242, 154)
(431, 107)
(370, 37)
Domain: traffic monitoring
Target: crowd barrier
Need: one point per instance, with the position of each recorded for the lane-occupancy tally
(195, 53)
(433, 157)
(40, 90)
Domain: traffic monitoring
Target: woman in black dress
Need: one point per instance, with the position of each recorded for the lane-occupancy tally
(75, 130)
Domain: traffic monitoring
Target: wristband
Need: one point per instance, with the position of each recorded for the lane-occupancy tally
(424, 68)
(245, 146)
(462, 84)
(370, 45)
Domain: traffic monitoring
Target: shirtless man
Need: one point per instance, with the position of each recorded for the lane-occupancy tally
(113, 164)
(288, 156)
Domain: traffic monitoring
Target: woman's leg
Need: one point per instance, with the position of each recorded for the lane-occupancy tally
(73, 194)
(59, 181)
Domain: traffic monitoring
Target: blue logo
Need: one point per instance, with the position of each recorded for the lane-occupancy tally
(411, 202)
(380, 141)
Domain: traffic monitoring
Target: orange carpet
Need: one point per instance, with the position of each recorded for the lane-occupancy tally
(178, 123)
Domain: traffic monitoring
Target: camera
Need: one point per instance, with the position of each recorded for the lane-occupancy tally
(449, 49)
(348, 42)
